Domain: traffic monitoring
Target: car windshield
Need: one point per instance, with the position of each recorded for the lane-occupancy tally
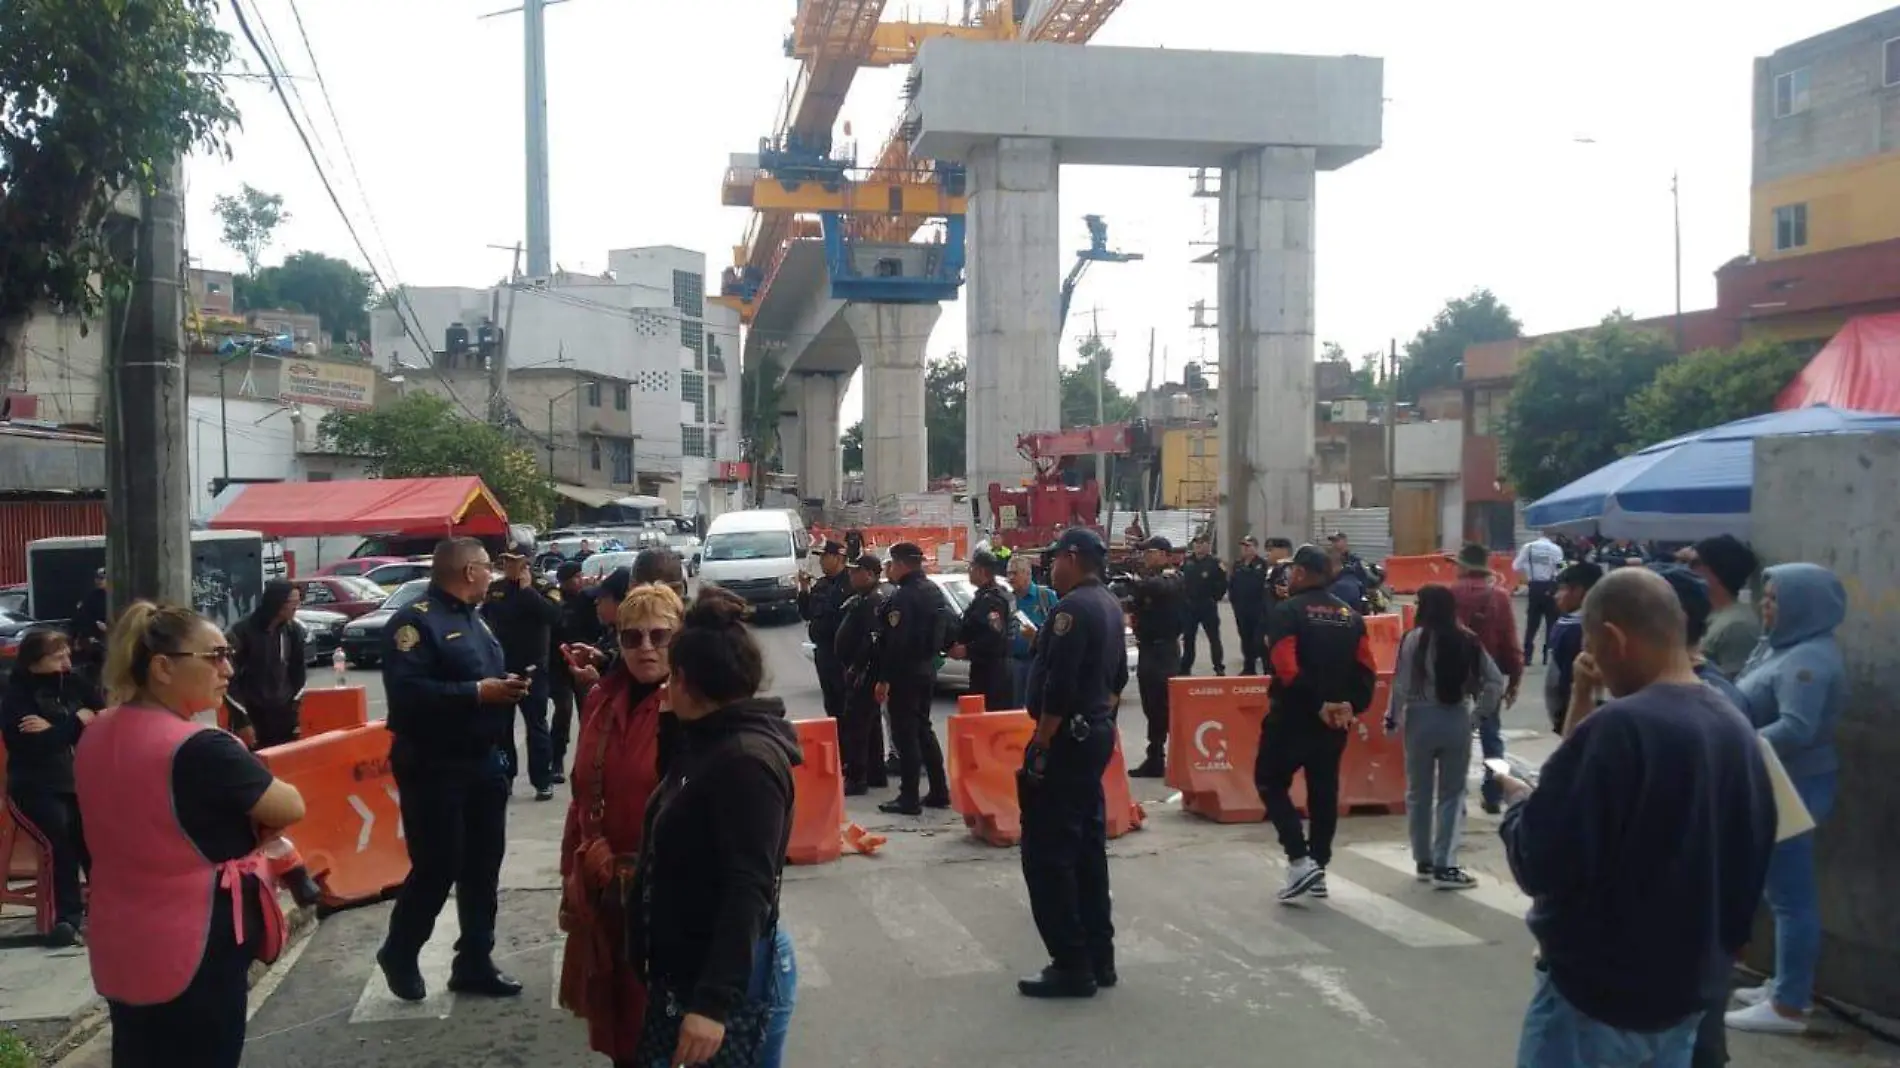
(407, 592)
(358, 589)
(959, 591)
(602, 564)
(749, 545)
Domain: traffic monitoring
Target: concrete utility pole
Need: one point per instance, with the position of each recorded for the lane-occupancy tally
(498, 365)
(148, 481)
(535, 72)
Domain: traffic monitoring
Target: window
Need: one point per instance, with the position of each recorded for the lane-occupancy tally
(1791, 93)
(1893, 62)
(623, 461)
(689, 293)
(318, 593)
(693, 336)
(712, 445)
(712, 403)
(692, 387)
(593, 454)
(620, 397)
(692, 440)
(593, 397)
(1791, 227)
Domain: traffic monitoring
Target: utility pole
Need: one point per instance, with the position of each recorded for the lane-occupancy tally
(535, 77)
(1148, 463)
(498, 367)
(1391, 436)
(1675, 195)
(148, 478)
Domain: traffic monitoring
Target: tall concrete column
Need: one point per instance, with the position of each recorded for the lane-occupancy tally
(820, 471)
(791, 441)
(1013, 296)
(1266, 345)
(891, 339)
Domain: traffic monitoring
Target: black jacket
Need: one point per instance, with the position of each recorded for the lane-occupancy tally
(1206, 580)
(268, 673)
(822, 609)
(44, 761)
(911, 630)
(1247, 589)
(714, 848)
(856, 642)
(988, 626)
(523, 618)
(1318, 652)
(1158, 603)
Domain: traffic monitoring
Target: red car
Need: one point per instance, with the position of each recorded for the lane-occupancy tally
(344, 594)
(357, 565)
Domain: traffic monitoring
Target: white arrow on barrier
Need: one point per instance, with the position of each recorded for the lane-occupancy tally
(369, 821)
(396, 800)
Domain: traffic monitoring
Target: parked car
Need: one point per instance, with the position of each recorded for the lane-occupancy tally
(322, 632)
(346, 595)
(13, 626)
(13, 599)
(390, 576)
(363, 636)
(757, 554)
(357, 565)
(600, 565)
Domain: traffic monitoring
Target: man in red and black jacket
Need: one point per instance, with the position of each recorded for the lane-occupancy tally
(1323, 679)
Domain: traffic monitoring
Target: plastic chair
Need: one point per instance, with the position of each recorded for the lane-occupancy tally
(28, 860)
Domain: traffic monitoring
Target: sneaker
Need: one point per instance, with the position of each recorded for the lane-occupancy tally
(544, 793)
(1761, 1018)
(1425, 872)
(1753, 995)
(1318, 888)
(1453, 879)
(1301, 875)
(64, 934)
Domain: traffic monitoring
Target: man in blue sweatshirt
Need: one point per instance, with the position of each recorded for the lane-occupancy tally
(1644, 848)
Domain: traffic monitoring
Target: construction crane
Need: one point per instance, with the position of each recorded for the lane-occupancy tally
(1097, 252)
(1034, 514)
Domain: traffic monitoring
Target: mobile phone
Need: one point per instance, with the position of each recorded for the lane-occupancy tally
(1498, 767)
(528, 672)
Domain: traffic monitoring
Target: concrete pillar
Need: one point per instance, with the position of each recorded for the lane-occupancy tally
(1266, 345)
(821, 469)
(891, 339)
(1013, 296)
(791, 441)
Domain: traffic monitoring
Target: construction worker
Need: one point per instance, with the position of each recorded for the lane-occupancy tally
(985, 633)
(1247, 590)
(1157, 602)
(911, 632)
(861, 729)
(821, 606)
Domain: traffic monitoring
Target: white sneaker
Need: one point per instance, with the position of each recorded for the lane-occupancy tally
(1301, 875)
(1761, 1018)
(1319, 886)
(1753, 995)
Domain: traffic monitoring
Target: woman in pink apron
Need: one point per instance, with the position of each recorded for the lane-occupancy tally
(182, 901)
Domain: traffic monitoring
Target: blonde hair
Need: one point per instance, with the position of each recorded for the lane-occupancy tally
(144, 631)
(647, 602)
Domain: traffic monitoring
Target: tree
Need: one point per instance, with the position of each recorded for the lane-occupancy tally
(946, 415)
(761, 399)
(853, 445)
(1709, 388)
(250, 219)
(422, 436)
(1078, 388)
(96, 100)
(1435, 357)
(1567, 404)
(331, 289)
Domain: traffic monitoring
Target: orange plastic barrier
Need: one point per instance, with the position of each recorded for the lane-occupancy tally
(1372, 773)
(986, 751)
(332, 708)
(1410, 574)
(1213, 738)
(1407, 616)
(1385, 631)
(1124, 812)
(351, 834)
(1504, 566)
(818, 797)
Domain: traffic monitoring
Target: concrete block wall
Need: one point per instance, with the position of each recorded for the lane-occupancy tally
(1851, 114)
(1835, 501)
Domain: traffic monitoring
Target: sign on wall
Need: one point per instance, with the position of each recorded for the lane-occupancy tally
(337, 385)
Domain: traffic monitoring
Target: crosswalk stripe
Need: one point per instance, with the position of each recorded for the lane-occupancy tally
(1260, 937)
(1402, 924)
(928, 936)
(1489, 892)
(807, 937)
(560, 954)
(377, 1004)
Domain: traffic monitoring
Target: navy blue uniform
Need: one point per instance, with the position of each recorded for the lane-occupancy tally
(523, 619)
(448, 761)
(986, 631)
(822, 609)
(1080, 667)
(1247, 591)
(910, 634)
(1206, 583)
(1158, 603)
(861, 729)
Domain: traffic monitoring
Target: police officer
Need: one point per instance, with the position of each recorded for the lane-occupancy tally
(1247, 591)
(985, 633)
(910, 634)
(821, 606)
(577, 625)
(1206, 582)
(1075, 685)
(451, 709)
(1157, 602)
(523, 609)
(861, 729)
(1323, 678)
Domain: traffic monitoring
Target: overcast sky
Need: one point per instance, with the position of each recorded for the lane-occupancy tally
(1482, 180)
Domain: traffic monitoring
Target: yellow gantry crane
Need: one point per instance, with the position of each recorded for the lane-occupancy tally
(798, 175)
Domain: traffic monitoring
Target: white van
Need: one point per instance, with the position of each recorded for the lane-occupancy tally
(757, 554)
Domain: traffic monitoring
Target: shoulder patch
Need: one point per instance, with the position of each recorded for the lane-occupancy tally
(891, 617)
(553, 594)
(1060, 622)
(407, 637)
(421, 606)
(996, 622)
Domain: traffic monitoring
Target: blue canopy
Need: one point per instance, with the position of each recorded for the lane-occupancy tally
(1695, 486)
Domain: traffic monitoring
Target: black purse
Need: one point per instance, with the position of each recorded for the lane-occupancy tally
(746, 1025)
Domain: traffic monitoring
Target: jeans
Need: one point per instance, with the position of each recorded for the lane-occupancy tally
(1491, 744)
(1794, 900)
(1557, 1035)
(775, 979)
(1437, 758)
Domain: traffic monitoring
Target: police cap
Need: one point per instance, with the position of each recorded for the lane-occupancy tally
(986, 560)
(869, 562)
(1312, 558)
(1158, 544)
(1081, 541)
(615, 585)
(907, 551)
(567, 571)
(829, 548)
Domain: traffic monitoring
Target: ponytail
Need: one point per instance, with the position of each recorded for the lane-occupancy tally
(143, 631)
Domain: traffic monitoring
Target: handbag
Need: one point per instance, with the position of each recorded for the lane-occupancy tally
(746, 1025)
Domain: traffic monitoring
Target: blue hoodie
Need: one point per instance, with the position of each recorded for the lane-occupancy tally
(1795, 681)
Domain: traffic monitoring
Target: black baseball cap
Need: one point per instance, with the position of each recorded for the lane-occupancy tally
(829, 548)
(1337, 535)
(1158, 544)
(869, 562)
(1081, 541)
(615, 585)
(908, 551)
(566, 571)
(521, 550)
(1249, 539)
(1314, 559)
(986, 560)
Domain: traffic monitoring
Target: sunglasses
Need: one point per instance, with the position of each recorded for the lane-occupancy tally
(657, 637)
(220, 655)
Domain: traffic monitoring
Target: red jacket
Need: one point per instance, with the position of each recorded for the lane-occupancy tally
(1485, 610)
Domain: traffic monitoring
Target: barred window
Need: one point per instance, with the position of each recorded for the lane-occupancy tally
(693, 336)
(692, 440)
(692, 387)
(689, 293)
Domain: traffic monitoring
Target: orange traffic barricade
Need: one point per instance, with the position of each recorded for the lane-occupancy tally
(986, 751)
(1407, 614)
(1384, 631)
(1124, 812)
(1410, 574)
(351, 834)
(1213, 738)
(818, 795)
(331, 708)
(1372, 773)
(1504, 566)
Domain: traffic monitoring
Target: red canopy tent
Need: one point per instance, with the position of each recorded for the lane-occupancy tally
(418, 507)
(1859, 370)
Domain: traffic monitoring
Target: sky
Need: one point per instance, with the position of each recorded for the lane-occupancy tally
(1528, 149)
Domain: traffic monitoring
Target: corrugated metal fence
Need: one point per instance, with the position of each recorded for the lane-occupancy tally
(1369, 530)
(24, 521)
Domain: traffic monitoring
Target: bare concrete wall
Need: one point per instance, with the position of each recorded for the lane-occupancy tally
(1836, 501)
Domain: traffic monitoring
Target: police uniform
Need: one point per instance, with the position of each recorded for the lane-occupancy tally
(448, 760)
(1157, 602)
(578, 625)
(822, 608)
(910, 634)
(861, 728)
(1247, 591)
(1079, 669)
(986, 630)
(1318, 652)
(523, 619)
(1206, 583)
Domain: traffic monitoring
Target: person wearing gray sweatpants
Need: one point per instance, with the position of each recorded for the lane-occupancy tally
(1442, 672)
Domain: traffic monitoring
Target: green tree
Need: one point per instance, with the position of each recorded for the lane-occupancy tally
(331, 289)
(250, 219)
(761, 399)
(853, 445)
(96, 100)
(1078, 388)
(1435, 357)
(946, 415)
(1711, 387)
(422, 436)
(1566, 415)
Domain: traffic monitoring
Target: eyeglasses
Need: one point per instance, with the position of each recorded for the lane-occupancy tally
(220, 655)
(657, 637)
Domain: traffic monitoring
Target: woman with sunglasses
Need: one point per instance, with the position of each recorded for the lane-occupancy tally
(182, 899)
(617, 764)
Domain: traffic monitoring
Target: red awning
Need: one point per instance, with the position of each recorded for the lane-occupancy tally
(417, 507)
(1859, 370)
